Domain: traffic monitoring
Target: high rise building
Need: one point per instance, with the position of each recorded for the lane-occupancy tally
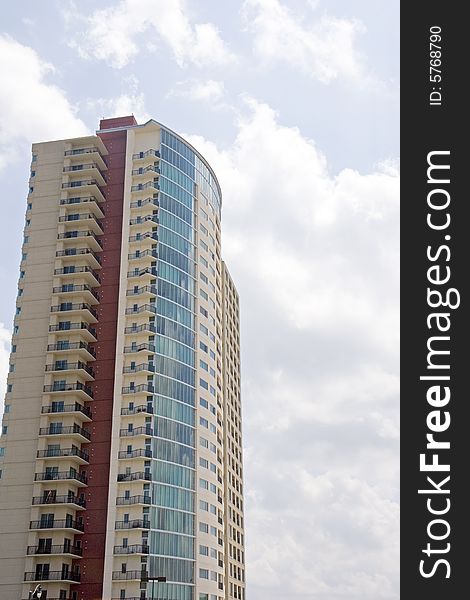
(121, 449)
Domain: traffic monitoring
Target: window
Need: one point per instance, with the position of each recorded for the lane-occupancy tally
(204, 550)
(2, 452)
(204, 295)
(24, 256)
(202, 402)
(203, 527)
(16, 329)
(204, 573)
(4, 429)
(204, 261)
(11, 368)
(18, 310)
(27, 222)
(13, 348)
(203, 505)
(204, 443)
(9, 387)
(204, 463)
(25, 239)
(7, 408)
(204, 329)
(203, 346)
(203, 484)
(34, 158)
(22, 273)
(213, 530)
(204, 422)
(204, 246)
(203, 384)
(203, 311)
(204, 278)
(204, 365)
(20, 291)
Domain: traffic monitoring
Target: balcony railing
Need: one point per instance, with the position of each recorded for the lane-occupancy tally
(67, 326)
(138, 476)
(140, 272)
(134, 524)
(140, 309)
(135, 410)
(60, 452)
(61, 475)
(142, 367)
(76, 252)
(57, 524)
(65, 408)
(133, 549)
(136, 431)
(144, 202)
(68, 387)
(76, 151)
(145, 186)
(51, 499)
(82, 183)
(62, 346)
(142, 254)
(76, 270)
(123, 501)
(52, 576)
(144, 170)
(143, 387)
(139, 348)
(150, 152)
(78, 234)
(68, 306)
(82, 167)
(80, 217)
(138, 328)
(66, 366)
(140, 453)
(79, 200)
(73, 289)
(53, 429)
(150, 289)
(128, 575)
(142, 220)
(59, 549)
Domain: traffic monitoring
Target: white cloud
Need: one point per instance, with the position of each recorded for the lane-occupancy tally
(112, 33)
(31, 109)
(205, 91)
(5, 337)
(315, 259)
(324, 49)
(130, 102)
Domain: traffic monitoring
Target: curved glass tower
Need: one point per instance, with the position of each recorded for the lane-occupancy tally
(152, 486)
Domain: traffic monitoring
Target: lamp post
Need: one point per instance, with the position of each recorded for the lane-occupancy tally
(147, 578)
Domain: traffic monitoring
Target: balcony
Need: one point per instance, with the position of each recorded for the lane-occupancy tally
(86, 187)
(85, 254)
(81, 272)
(143, 388)
(134, 524)
(81, 368)
(129, 575)
(57, 524)
(144, 170)
(133, 330)
(138, 476)
(144, 348)
(140, 453)
(44, 550)
(123, 501)
(141, 155)
(145, 367)
(82, 290)
(87, 219)
(61, 408)
(83, 456)
(89, 202)
(87, 332)
(90, 169)
(143, 220)
(65, 388)
(75, 347)
(47, 499)
(79, 308)
(72, 430)
(143, 309)
(88, 236)
(91, 153)
(140, 255)
(64, 576)
(150, 202)
(136, 410)
(149, 271)
(136, 432)
(143, 187)
(146, 291)
(133, 549)
(78, 478)
(141, 238)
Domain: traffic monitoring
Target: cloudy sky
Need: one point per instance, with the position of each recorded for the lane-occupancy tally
(295, 104)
